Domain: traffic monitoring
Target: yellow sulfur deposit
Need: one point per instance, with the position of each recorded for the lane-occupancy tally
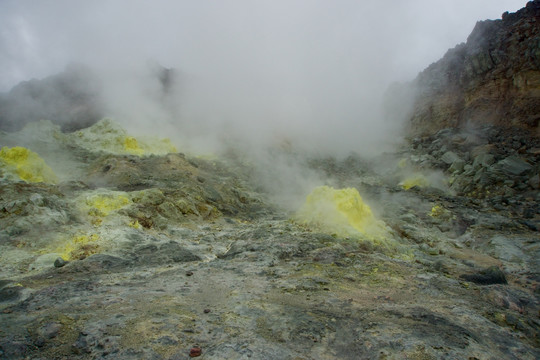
(436, 211)
(79, 247)
(108, 136)
(104, 204)
(26, 164)
(132, 146)
(417, 180)
(135, 224)
(403, 163)
(341, 212)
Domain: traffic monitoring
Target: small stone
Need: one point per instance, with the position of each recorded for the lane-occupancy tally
(40, 342)
(50, 330)
(195, 352)
(189, 273)
(59, 262)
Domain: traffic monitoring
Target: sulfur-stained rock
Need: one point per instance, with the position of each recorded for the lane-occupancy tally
(342, 212)
(106, 136)
(25, 165)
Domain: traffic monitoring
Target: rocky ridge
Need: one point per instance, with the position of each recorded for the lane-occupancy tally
(492, 79)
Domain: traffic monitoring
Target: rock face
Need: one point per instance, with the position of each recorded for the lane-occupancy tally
(492, 162)
(493, 78)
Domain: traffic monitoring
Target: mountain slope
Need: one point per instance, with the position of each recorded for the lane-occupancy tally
(493, 78)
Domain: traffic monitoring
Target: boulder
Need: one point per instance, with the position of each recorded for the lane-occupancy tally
(457, 166)
(513, 165)
(449, 157)
(483, 160)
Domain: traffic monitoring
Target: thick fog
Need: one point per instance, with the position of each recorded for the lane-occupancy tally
(309, 73)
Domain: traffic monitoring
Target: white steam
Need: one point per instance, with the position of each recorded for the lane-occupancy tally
(312, 73)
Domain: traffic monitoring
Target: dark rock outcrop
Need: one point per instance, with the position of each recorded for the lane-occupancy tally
(493, 78)
(489, 276)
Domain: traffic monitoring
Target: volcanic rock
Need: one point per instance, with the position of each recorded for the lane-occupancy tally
(493, 78)
(491, 275)
(514, 165)
(154, 240)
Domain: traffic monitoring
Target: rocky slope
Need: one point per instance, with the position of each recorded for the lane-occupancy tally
(120, 247)
(136, 254)
(493, 78)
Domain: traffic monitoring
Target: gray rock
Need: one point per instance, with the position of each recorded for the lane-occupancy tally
(450, 157)
(513, 165)
(99, 261)
(534, 182)
(483, 160)
(50, 330)
(457, 166)
(171, 252)
(506, 249)
(479, 174)
(445, 132)
(59, 262)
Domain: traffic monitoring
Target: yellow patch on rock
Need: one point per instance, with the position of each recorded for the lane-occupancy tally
(79, 247)
(26, 165)
(107, 136)
(341, 212)
(132, 146)
(416, 180)
(105, 203)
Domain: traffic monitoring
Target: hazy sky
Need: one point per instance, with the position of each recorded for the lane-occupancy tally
(291, 63)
